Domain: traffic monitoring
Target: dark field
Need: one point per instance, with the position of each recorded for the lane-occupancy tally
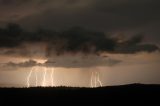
(126, 94)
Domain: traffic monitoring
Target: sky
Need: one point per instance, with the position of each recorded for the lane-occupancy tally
(86, 43)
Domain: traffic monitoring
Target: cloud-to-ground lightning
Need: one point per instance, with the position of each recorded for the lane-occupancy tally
(52, 77)
(36, 77)
(44, 77)
(34, 71)
(95, 79)
(28, 77)
(98, 79)
(92, 79)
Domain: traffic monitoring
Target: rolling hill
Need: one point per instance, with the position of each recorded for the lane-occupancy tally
(124, 94)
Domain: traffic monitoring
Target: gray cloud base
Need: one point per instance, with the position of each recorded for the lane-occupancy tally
(66, 63)
(72, 41)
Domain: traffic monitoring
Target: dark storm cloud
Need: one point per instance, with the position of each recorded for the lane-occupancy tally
(74, 40)
(79, 39)
(100, 14)
(15, 10)
(104, 15)
(133, 45)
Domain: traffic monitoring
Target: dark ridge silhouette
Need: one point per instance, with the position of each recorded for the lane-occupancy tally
(124, 94)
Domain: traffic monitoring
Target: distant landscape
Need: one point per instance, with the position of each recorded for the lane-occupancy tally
(75, 52)
(133, 93)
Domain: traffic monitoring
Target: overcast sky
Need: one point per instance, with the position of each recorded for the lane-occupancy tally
(125, 16)
(81, 35)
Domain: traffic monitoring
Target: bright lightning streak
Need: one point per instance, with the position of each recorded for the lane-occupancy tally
(28, 78)
(95, 79)
(52, 77)
(98, 79)
(92, 80)
(35, 72)
(44, 77)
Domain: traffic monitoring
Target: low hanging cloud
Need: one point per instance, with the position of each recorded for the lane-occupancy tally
(134, 45)
(66, 62)
(10, 66)
(29, 63)
(81, 62)
(72, 41)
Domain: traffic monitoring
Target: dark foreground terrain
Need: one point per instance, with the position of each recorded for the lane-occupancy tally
(126, 94)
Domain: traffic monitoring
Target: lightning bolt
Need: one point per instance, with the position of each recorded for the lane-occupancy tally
(28, 77)
(36, 78)
(98, 79)
(52, 77)
(92, 80)
(44, 77)
(95, 79)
